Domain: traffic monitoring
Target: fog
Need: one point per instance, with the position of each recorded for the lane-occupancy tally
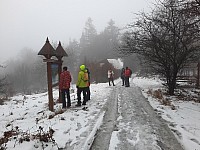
(27, 23)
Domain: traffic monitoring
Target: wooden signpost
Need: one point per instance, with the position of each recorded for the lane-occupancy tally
(48, 51)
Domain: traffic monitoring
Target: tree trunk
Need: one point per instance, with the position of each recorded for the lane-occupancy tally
(171, 88)
(172, 84)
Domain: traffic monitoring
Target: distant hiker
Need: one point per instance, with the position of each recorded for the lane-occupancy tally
(127, 74)
(81, 86)
(111, 77)
(123, 76)
(64, 85)
(88, 84)
(24, 99)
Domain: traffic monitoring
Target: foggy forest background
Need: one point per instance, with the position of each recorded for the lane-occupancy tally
(26, 73)
(162, 41)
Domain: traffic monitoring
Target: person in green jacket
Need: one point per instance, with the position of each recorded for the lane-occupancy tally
(81, 86)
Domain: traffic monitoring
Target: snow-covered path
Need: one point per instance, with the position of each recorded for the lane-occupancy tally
(118, 118)
(103, 136)
(133, 121)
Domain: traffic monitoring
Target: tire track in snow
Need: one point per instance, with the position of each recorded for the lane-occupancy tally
(103, 136)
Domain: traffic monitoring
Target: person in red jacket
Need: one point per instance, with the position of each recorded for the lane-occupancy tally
(64, 85)
(127, 74)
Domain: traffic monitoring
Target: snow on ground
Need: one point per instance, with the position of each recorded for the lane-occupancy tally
(28, 119)
(184, 120)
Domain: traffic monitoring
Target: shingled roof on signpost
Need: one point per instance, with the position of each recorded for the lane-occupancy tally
(60, 52)
(47, 50)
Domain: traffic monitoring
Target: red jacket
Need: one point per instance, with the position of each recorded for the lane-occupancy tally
(65, 79)
(127, 72)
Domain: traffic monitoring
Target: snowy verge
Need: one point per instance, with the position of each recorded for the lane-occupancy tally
(184, 120)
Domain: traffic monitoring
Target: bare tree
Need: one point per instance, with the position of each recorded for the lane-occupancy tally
(26, 74)
(73, 60)
(167, 39)
(3, 83)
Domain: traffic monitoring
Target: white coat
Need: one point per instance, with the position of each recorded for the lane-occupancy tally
(110, 74)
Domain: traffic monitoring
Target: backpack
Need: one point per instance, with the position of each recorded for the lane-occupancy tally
(85, 77)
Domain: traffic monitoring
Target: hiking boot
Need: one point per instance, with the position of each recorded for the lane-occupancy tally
(85, 108)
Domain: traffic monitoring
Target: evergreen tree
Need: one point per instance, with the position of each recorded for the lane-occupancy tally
(112, 32)
(88, 35)
(105, 43)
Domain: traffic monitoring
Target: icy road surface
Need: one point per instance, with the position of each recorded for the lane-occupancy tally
(130, 123)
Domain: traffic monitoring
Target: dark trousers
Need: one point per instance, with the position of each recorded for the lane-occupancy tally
(111, 80)
(79, 91)
(127, 84)
(88, 92)
(63, 92)
(123, 81)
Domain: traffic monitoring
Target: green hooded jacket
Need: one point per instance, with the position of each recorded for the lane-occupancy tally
(81, 83)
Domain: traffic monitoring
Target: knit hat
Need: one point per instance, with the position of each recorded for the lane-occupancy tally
(82, 67)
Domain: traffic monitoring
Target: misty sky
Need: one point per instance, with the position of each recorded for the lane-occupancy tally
(27, 23)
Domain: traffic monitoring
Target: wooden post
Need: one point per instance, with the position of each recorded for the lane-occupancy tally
(60, 53)
(49, 81)
(59, 72)
(48, 51)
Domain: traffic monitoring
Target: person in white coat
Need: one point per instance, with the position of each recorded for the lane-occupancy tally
(111, 77)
